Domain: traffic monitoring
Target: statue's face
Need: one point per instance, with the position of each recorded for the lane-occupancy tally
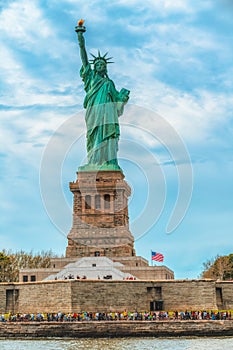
(100, 66)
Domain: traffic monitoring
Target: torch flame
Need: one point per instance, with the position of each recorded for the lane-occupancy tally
(80, 22)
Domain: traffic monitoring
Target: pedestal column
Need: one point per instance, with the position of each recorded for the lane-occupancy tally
(100, 216)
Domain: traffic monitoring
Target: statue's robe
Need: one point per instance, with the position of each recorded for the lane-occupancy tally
(103, 104)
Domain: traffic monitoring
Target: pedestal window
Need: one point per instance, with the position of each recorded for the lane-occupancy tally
(87, 202)
(106, 201)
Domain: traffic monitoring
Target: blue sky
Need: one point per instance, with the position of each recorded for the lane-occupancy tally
(176, 59)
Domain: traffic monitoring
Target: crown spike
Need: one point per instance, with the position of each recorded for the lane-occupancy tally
(99, 57)
(93, 55)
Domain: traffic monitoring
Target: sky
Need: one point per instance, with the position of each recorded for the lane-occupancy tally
(176, 146)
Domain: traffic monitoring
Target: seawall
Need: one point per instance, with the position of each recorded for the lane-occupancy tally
(98, 329)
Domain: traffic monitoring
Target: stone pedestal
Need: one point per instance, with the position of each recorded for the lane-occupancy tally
(100, 216)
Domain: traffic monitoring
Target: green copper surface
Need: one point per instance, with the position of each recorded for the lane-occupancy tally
(103, 104)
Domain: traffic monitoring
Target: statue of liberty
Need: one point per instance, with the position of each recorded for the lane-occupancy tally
(103, 104)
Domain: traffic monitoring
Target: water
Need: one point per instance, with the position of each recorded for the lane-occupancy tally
(121, 343)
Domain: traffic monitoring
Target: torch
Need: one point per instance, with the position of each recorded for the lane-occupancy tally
(80, 27)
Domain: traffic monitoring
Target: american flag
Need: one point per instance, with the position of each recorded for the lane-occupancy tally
(157, 256)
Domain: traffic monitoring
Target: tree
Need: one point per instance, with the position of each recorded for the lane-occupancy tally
(4, 266)
(221, 267)
(11, 263)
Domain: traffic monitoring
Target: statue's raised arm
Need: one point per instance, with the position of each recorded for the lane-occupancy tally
(80, 29)
(104, 104)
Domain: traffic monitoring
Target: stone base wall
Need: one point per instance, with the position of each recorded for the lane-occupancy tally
(3, 297)
(138, 295)
(224, 291)
(45, 296)
(104, 296)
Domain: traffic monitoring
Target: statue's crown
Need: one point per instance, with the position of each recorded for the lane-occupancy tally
(99, 57)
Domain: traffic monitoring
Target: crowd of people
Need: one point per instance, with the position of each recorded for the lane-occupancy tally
(118, 316)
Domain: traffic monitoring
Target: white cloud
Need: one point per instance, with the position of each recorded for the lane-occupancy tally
(159, 6)
(24, 21)
(22, 131)
(30, 47)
